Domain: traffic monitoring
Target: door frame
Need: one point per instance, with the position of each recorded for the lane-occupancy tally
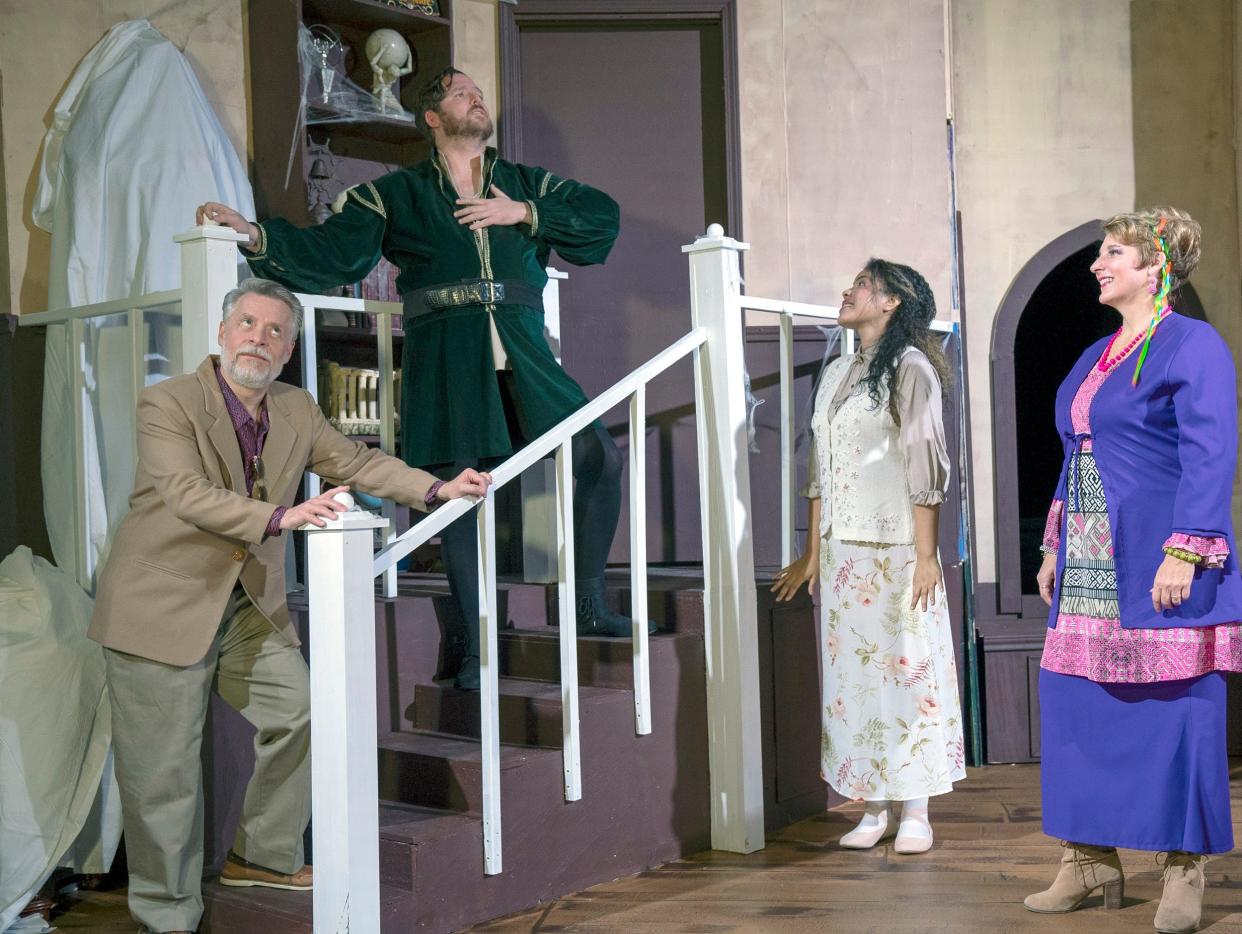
(1005, 407)
(594, 12)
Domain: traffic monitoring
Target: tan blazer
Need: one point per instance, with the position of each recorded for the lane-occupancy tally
(191, 531)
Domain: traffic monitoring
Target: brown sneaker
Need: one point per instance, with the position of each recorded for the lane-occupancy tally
(243, 874)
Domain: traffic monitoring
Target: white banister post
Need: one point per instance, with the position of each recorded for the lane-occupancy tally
(208, 271)
(734, 739)
(344, 769)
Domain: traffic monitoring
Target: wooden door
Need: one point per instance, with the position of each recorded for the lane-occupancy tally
(637, 99)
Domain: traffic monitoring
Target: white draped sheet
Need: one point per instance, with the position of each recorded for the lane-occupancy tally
(134, 147)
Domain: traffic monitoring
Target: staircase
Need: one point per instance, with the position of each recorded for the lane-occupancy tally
(645, 799)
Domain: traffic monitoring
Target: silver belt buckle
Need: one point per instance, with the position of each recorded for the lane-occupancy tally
(491, 292)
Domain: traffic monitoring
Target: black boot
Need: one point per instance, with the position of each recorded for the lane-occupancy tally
(594, 617)
(468, 674)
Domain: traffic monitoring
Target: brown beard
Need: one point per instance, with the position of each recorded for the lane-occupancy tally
(464, 128)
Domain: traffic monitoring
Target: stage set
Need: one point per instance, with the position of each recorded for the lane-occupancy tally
(581, 299)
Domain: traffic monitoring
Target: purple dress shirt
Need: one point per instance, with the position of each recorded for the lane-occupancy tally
(251, 435)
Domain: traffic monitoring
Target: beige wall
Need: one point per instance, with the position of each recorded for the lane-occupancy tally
(1196, 110)
(476, 46)
(843, 143)
(41, 45)
(1044, 143)
(1184, 129)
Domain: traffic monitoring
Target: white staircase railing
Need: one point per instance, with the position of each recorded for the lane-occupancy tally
(208, 271)
(383, 313)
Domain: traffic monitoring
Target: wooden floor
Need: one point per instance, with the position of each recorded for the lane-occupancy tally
(989, 854)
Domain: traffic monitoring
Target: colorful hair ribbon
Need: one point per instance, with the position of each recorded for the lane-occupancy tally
(1162, 307)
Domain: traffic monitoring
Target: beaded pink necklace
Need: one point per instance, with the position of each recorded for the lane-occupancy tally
(1107, 362)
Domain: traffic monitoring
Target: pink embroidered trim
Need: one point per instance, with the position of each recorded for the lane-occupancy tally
(1214, 551)
(1052, 528)
(1099, 649)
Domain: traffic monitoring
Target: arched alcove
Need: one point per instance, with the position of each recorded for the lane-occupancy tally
(1049, 315)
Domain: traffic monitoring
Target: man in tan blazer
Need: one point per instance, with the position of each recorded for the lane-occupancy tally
(193, 598)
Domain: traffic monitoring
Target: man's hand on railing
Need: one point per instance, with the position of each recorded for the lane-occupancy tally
(212, 212)
(314, 511)
(467, 483)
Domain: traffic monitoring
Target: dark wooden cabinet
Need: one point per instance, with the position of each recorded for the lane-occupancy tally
(364, 149)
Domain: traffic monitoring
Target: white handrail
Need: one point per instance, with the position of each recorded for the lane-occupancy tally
(115, 306)
(541, 447)
(783, 307)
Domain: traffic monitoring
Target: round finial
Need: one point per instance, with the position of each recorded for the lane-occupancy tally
(345, 499)
(715, 231)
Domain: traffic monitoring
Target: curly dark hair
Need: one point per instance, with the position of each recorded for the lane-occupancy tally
(432, 93)
(907, 327)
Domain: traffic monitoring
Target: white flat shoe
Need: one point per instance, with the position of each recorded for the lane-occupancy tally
(914, 834)
(870, 830)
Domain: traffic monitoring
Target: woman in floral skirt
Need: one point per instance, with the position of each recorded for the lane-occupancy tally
(879, 470)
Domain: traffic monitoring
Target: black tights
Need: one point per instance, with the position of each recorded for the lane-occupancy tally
(597, 508)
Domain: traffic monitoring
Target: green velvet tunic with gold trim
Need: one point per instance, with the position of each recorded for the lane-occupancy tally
(451, 408)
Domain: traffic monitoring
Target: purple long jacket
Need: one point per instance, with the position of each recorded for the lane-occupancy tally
(1166, 451)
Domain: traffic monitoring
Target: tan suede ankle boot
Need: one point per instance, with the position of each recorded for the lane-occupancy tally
(1083, 870)
(1181, 906)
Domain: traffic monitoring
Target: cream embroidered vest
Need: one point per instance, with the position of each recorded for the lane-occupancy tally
(864, 494)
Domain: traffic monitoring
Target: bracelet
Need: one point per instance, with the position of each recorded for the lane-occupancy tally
(1049, 549)
(1181, 554)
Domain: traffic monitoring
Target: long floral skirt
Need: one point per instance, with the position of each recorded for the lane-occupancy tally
(892, 718)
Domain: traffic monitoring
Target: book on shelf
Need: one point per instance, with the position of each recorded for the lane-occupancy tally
(379, 285)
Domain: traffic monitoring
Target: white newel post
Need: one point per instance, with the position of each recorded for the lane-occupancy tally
(731, 632)
(344, 766)
(208, 271)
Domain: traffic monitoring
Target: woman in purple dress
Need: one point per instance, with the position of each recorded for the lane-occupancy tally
(1141, 575)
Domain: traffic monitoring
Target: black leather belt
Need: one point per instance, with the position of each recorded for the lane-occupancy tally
(471, 292)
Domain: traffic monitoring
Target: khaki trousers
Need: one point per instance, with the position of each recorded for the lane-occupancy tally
(158, 713)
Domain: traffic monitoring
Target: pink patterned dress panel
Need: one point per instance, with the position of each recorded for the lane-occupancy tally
(1080, 408)
(1097, 647)
(1052, 527)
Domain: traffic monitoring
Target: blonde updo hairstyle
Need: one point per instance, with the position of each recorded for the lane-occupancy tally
(1181, 234)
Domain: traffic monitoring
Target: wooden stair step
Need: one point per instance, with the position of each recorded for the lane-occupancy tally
(434, 770)
(408, 835)
(602, 662)
(530, 711)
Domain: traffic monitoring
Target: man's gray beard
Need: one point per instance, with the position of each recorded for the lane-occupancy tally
(251, 380)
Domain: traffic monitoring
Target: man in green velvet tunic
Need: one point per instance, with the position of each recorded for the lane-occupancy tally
(470, 234)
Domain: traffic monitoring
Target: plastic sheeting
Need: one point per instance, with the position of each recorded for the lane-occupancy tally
(55, 730)
(134, 147)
